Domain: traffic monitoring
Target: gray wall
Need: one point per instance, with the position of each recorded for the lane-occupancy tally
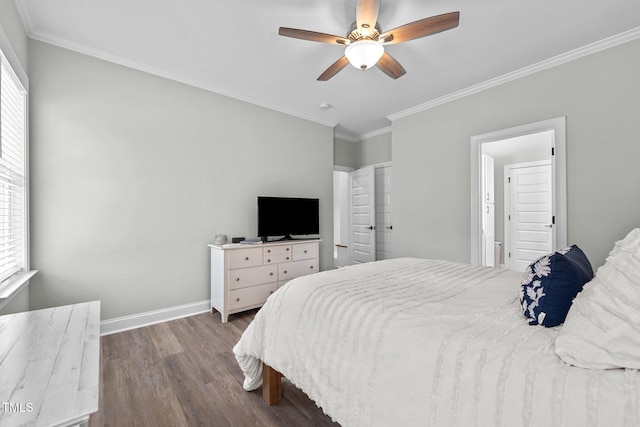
(345, 153)
(374, 150)
(366, 152)
(599, 96)
(11, 25)
(18, 303)
(132, 175)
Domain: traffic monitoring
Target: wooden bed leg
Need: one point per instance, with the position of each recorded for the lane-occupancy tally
(271, 385)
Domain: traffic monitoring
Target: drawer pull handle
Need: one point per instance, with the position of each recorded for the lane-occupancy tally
(305, 251)
(270, 292)
(311, 267)
(287, 249)
(269, 260)
(237, 299)
(237, 279)
(246, 258)
(271, 274)
(285, 272)
(268, 251)
(287, 258)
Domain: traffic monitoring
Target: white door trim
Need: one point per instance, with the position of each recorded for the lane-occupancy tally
(384, 222)
(558, 173)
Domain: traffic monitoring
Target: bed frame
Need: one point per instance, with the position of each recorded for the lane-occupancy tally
(271, 385)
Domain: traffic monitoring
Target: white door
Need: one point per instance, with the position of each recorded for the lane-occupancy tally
(488, 187)
(362, 206)
(529, 213)
(384, 225)
(488, 235)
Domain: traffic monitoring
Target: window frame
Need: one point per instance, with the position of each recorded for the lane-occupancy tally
(14, 284)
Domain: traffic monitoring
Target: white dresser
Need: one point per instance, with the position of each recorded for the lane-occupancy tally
(243, 276)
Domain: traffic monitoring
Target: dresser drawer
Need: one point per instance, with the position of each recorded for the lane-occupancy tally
(305, 251)
(251, 276)
(277, 258)
(254, 295)
(294, 269)
(241, 258)
(277, 250)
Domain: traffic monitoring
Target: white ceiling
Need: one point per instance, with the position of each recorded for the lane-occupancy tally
(233, 47)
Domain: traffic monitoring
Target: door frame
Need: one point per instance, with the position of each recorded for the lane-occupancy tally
(558, 174)
(343, 221)
(507, 205)
(376, 166)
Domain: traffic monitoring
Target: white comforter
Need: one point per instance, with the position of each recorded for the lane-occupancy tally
(409, 342)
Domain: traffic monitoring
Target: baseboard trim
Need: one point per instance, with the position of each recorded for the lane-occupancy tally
(125, 323)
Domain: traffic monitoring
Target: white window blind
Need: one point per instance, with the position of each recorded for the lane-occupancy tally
(13, 106)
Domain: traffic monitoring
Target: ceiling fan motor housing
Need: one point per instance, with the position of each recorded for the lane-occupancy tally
(356, 34)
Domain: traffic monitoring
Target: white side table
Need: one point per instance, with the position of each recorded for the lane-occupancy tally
(50, 366)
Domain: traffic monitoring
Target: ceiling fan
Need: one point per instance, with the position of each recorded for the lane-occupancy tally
(365, 41)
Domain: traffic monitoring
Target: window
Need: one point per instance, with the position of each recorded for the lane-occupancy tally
(13, 137)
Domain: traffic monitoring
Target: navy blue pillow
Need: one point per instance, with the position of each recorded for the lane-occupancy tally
(550, 284)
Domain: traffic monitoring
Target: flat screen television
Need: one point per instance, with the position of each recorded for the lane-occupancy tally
(286, 217)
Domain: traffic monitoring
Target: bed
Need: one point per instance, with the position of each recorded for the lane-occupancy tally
(426, 342)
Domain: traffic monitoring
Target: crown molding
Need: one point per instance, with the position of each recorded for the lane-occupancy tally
(572, 55)
(27, 17)
(375, 133)
(141, 66)
(6, 51)
(26, 14)
(358, 138)
(346, 137)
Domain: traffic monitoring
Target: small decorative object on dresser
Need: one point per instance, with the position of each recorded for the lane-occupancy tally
(243, 277)
(220, 239)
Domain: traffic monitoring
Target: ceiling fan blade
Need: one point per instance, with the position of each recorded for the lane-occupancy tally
(367, 14)
(312, 36)
(334, 69)
(423, 27)
(390, 66)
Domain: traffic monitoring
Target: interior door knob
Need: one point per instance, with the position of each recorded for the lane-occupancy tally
(371, 227)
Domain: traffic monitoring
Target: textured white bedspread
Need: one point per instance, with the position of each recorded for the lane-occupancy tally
(410, 342)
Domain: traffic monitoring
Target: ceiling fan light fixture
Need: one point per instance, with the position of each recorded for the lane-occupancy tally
(364, 54)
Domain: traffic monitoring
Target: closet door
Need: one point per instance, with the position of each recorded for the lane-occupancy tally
(362, 206)
(384, 225)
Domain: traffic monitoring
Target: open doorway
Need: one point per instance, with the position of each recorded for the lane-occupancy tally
(511, 229)
(362, 214)
(341, 216)
(518, 231)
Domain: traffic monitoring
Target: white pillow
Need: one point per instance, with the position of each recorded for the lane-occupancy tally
(630, 243)
(602, 329)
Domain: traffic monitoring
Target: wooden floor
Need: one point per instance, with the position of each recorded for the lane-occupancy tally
(183, 373)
